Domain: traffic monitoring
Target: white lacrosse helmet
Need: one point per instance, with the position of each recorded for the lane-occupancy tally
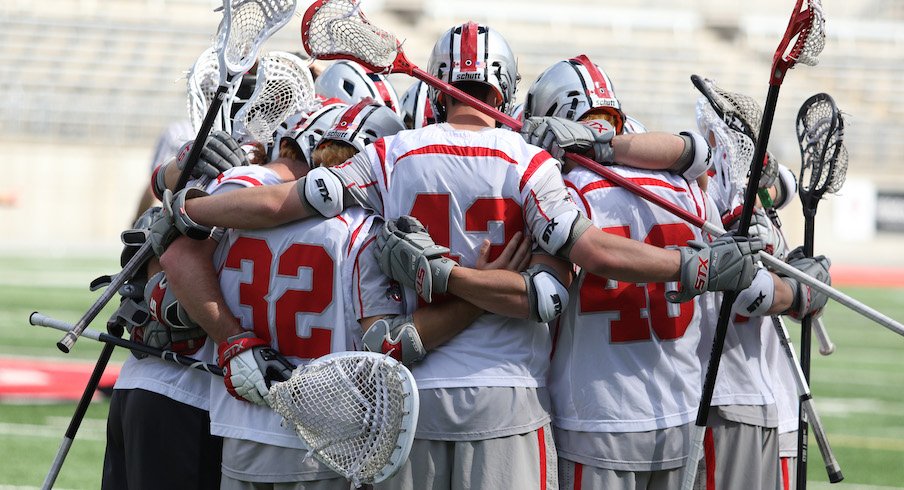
(475, 53)
(572, 88)
(363, 123)
(350, 82)
(417, 108)
(310, 130)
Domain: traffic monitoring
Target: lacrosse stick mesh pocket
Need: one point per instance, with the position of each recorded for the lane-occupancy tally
(351, 411)
(820, 132)
(337, 27)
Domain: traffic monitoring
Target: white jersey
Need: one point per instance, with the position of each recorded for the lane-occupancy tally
(180, 383)
(783, 385)
(744, 377)
(625, 359)
(465, 186)
(290, 286)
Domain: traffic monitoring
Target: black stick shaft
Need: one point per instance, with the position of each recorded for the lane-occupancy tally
(203, 131)
(806, 332)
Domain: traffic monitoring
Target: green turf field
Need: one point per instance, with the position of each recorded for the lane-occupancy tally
(859, 391)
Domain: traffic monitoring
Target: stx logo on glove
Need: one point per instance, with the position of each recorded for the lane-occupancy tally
(596, 126)
(547, 232)
(702, 274)
(421, 272)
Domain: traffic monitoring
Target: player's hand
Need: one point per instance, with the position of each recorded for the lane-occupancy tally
(726, 264)
(172, 220)
(807, 300)
(762, 227)
(169, 326)
(515, 256)
(407, 253)
(559, 135)
(220, 153)
(251, 366)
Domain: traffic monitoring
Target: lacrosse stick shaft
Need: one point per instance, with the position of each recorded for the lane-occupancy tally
(833, 469)
(78, 416)
(203, 131)
(46, 321)
(806, 343)
(128, 271)
(826, 346)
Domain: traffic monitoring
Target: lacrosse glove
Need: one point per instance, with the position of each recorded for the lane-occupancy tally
(807, 300)
(761, 227)
(406, 253)
(170, 327)
(220, 153)
(558, 135)
(251, 366)
(726, 264)
(396, 336)
(173, 220)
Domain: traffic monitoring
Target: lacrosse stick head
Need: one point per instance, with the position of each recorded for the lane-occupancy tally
(807, 29)
(338, 30)
(202, 85)
(245, 26)
(284, 87)
(824, 158)
(357, 412)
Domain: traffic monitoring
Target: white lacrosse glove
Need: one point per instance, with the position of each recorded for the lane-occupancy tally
(407, 253)
(559, 135)
(807, 300)
(397, 337)
(172, 220)
(726, 264)
(250, 366)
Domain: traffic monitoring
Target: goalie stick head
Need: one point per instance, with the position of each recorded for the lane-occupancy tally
(824, 158)
(356, 411)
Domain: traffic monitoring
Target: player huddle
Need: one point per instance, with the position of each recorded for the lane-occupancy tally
(557, 325)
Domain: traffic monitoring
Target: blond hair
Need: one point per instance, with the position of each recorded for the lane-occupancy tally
(331, 152)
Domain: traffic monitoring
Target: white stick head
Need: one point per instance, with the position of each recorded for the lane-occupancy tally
(246, 25)
(337, 29)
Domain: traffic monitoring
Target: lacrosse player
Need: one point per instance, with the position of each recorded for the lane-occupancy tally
(168, 144)
(742, 439)
(292, 308)
(157, 405)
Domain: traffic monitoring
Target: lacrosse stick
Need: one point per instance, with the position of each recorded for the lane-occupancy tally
(824, 159)
(356, 411)
(806, 29)
(284, 88)
(806, 403)
(203, 80)
(742, 116)
(246, 25)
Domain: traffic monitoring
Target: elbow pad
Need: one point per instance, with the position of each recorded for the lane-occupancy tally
(322, 192)
(695, 159)
(757, 299)
(546, 295)
(561, 232)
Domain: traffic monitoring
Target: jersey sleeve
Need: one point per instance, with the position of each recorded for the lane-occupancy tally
(357, 176)
(545, 197)
(374, 293)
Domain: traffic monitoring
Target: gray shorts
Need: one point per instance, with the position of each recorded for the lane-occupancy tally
(740, 455)
(585, 477)
(513, 462)
(788, 467)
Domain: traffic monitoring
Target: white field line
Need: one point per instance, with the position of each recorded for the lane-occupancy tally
(840, 407)
(840, 486)
(55, 428)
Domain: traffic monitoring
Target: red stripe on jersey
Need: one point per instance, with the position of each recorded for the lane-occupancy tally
(600, 84)
(786, 478)
(645, 181)
(578, 475)
(380, 147)
(242, 178)
(340, 218)
(583, 199)
(541, 442)
(539, 208)
(709, 456)
(468, 47)
(351, 242)
(461, 151)
(348, 117)
(361, 186)
(532, 167)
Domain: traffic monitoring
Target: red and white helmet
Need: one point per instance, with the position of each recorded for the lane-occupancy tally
(350, 82)
(311, 129)
(571, 89)
(363, 123)
(475, 53)
(417, 108)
